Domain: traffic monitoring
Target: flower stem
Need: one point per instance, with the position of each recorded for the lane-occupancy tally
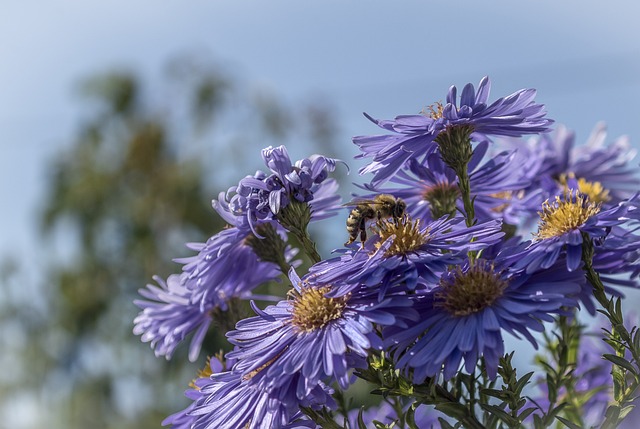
(456, 152)
(563, 350)
(465, 190)
(295, 217)
(619, 338)
(308, 245)
(270, 248)
(391, 383)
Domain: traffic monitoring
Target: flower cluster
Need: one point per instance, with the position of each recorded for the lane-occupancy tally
(262, 197)
(448, 263)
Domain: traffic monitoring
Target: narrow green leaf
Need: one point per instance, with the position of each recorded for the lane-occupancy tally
(538, 423)
(410, 418)
(501, 414)
(626, 410)
(612, 413)
(557, 409)
(621, 362)
(525, 413)
(495, 393)
(523, 382)
(568, 423)
(361, 424)
(455, 410)
(444, 424)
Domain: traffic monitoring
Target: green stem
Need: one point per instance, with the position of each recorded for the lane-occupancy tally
(469, 420)
(619, 339)
(308, 245)
(382, 373)
(472, 391)
(599, 293)
(456, 151)
(270, 248)
(295, 217)
(465, 191)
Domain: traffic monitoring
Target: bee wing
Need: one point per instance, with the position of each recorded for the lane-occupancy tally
(354, 203)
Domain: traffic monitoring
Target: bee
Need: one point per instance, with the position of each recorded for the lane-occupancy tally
(381, 206)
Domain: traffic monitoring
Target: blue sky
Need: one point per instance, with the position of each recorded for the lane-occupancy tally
(382, 57)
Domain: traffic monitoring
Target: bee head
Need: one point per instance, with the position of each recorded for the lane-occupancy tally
(399, 208)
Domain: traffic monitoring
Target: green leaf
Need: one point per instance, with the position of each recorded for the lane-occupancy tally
(444, 424)
(495, 393)
(523, 382)
(361, 424)
(621, 362)
(537, 422)
(525, 413)
(557, 409)
(613, 412)
(410, 418)
(501, 414)
(455, 410)
(626, 410)
(568, 423)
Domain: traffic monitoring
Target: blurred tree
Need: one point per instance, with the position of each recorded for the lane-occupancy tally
(122, 201)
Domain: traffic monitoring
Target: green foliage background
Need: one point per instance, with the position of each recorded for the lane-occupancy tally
(122, 200)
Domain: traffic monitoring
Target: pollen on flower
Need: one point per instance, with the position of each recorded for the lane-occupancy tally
(565, 214)
(312, 310)
(594, 190)
(256, 371)
(467, 292)
(504, 195)
(434, 111)
(202, 373)
(407, 235)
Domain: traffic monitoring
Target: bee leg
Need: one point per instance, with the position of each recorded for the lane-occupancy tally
(363, 232)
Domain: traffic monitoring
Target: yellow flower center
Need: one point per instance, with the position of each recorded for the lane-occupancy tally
(202, 373)
(564, 214)
(312, 310)
(465, 293)
(505, 195)
(408, 236)
(594, 190)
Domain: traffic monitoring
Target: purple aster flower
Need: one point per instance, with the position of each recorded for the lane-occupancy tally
(261, 197)
(168, 316)
(227, 399)
(405, 253)
(184, 419)
(231, 264)
(601, 172)
(618, 253)
(616, 259)
(464, 316)
(314, 336)
(226, 267)
(562, 224)
(430, 187)
(515, 115)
